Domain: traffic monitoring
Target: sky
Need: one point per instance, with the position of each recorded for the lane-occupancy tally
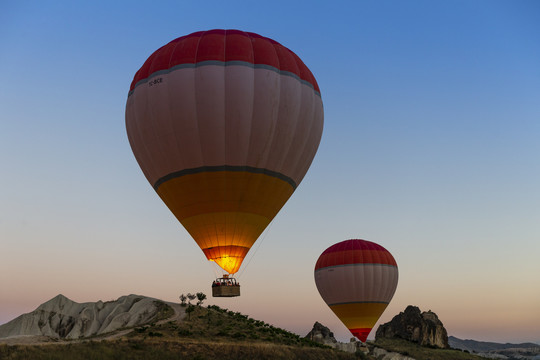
(430, 148)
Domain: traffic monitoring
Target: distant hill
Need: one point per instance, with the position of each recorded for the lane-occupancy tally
(485, 346)
(522, 351)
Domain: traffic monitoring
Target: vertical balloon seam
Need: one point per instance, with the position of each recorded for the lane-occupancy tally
(222, 242)
(377, 274)
(293, 129)
(150, 113)
(306, 110)
(196, 112)
(266, 149)
(308, 148)
(178, 142)
(245, 159)
(260, 162)
(255, 72)
(138, 123)
(226, 239)
(170, 120)
(308, 107)
(135, 132)
(237, 234)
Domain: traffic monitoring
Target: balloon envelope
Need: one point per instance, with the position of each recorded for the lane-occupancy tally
(224, 124)
(357, 279)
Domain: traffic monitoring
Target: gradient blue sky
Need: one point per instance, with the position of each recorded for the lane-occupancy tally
(430, 148)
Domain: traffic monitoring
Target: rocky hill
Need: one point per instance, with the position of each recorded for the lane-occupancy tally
(423, 328)
(63, 318)
(139, 327)
(190, 332)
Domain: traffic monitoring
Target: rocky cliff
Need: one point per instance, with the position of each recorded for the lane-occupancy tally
(424, 328)
(62, 318)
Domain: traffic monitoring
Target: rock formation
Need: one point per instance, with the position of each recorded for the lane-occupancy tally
(323, 335)
(424, 328)
(65, 319)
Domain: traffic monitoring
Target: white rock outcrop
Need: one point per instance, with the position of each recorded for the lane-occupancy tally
(63, 318)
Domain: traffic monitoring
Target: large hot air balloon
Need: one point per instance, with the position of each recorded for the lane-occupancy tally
(357, 279)
(224, 124)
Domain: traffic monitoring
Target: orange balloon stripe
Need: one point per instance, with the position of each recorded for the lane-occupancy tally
(228, 257)
(225, 191)
(225, 229)
(225, 251)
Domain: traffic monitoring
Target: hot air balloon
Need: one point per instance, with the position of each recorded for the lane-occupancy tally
(224, 125)
(357, 279)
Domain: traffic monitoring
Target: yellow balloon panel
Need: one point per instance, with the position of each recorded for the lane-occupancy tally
(225, 211)
(225, 191)
(359, 315)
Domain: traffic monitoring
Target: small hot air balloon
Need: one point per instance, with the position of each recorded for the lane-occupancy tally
(224, 125)
(357, 279)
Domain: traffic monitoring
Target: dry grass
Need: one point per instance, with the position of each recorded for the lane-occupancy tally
(209, 333)
(423, 353)
(222, 326)
(166, 349)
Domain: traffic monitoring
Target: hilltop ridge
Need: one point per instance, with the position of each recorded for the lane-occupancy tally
(62, 318)
(171, 330)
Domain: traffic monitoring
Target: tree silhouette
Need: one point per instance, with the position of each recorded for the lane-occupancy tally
(191, 297)
(200, 297)
(183, 299)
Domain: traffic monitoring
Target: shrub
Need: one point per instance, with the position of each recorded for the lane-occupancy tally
(184, 332)
(141, 329)
(189, 310)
